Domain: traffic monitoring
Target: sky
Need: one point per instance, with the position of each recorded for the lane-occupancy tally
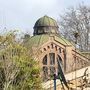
(22, 14)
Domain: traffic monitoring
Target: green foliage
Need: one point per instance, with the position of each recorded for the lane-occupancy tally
(18, 70)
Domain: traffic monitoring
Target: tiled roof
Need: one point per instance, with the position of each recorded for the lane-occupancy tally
(39, 40)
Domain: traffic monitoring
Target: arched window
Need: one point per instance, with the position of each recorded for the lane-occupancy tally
(45, 60)
(50, 67)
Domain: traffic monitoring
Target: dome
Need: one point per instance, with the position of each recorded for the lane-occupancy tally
(45, 21)
(45, 25)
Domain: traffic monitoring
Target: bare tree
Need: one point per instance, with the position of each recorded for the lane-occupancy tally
(77, 20)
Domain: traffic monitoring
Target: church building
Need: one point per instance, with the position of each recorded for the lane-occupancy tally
(47, 46)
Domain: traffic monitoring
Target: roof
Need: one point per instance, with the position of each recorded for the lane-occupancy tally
(62, 40)
(45, 25)
(45, 21)
(87, 54)
(39, 40)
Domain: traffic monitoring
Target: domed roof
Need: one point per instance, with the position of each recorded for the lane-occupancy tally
(45, 21)
(45, 25)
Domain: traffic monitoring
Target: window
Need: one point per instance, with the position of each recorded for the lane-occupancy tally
(45, 73)
(52, 58)
(52, 70)
(45, 60)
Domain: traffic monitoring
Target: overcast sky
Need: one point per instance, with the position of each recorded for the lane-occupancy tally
(22, 14)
